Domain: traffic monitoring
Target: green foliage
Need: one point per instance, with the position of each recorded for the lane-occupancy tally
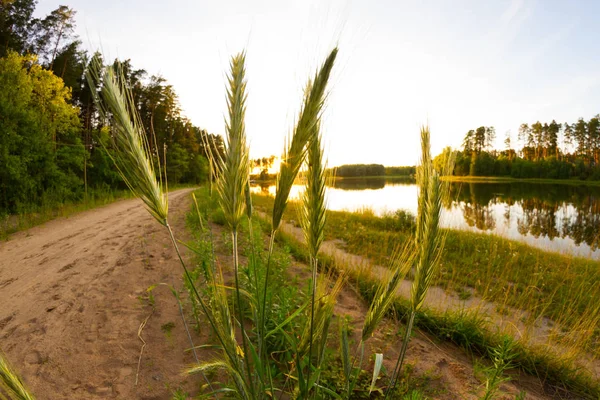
(360, 170)
(540, 155)
(41, 152)
(502, 357)
(401, 171)
(15, 25)
(54, 149)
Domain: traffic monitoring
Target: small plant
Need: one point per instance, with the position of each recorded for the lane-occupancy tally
(502, 358)
(464, 294)
(414, 395)
(167, 328)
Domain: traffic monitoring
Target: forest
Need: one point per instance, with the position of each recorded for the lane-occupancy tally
(371, 170)
(54, 146)
(542, 150)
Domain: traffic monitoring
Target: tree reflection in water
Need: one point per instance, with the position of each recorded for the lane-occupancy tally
(539, 210)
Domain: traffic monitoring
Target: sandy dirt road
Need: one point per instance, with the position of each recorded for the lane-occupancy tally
(72, 299)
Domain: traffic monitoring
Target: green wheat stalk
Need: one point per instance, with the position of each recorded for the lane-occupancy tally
(233, 179)
(293, 158)
(295, 151)
(429, 240)
(313, 217)
(131, 154)
(11, 386)
(232, 182)
(401, 263)
(132, 157)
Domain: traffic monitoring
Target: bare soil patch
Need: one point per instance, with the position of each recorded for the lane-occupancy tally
(73, 295)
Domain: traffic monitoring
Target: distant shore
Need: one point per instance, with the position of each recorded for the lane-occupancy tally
(507, 179)
(466, 179)
(391, 177)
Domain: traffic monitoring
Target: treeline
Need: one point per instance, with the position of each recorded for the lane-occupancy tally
(372, 170)
(401, 171)
(548, 150)
(54, 146)
(359, 170)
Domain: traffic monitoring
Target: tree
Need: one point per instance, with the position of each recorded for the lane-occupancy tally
(41, 153)
(441, 160)
(537, 133)
(594, 139)
(510, 153)
(490, 137)
(552, 131)
(468, 142)
(52, 31)
(507, 141)
(15, 18)
(568, 136)
(480, 139)
(580, 137)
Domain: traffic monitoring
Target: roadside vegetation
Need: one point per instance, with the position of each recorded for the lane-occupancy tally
(38, 214)
(55, 150)
(486, 265)
(546, 301)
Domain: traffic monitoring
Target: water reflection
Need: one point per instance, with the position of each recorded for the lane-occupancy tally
(542, 211)
(555, 217)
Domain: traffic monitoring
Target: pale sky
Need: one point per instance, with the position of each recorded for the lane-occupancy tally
(456, 64)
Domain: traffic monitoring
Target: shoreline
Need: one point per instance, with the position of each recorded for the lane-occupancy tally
(507, 179)
(457, 179)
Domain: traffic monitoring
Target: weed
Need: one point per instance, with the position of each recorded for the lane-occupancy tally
(502, 357)
(167, 328)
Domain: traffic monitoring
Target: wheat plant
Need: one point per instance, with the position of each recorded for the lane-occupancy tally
(305, 132)
(11, 386)
(313, 218)
(242, 340)
(429, 239)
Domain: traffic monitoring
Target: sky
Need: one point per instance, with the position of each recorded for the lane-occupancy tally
(454, 65)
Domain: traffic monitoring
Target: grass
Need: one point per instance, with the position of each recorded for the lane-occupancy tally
(471, 331)
(289, 293)
(37, 215)
(497, 269)
(510, 274)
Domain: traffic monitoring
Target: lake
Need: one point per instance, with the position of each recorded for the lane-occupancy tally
(560, 218)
